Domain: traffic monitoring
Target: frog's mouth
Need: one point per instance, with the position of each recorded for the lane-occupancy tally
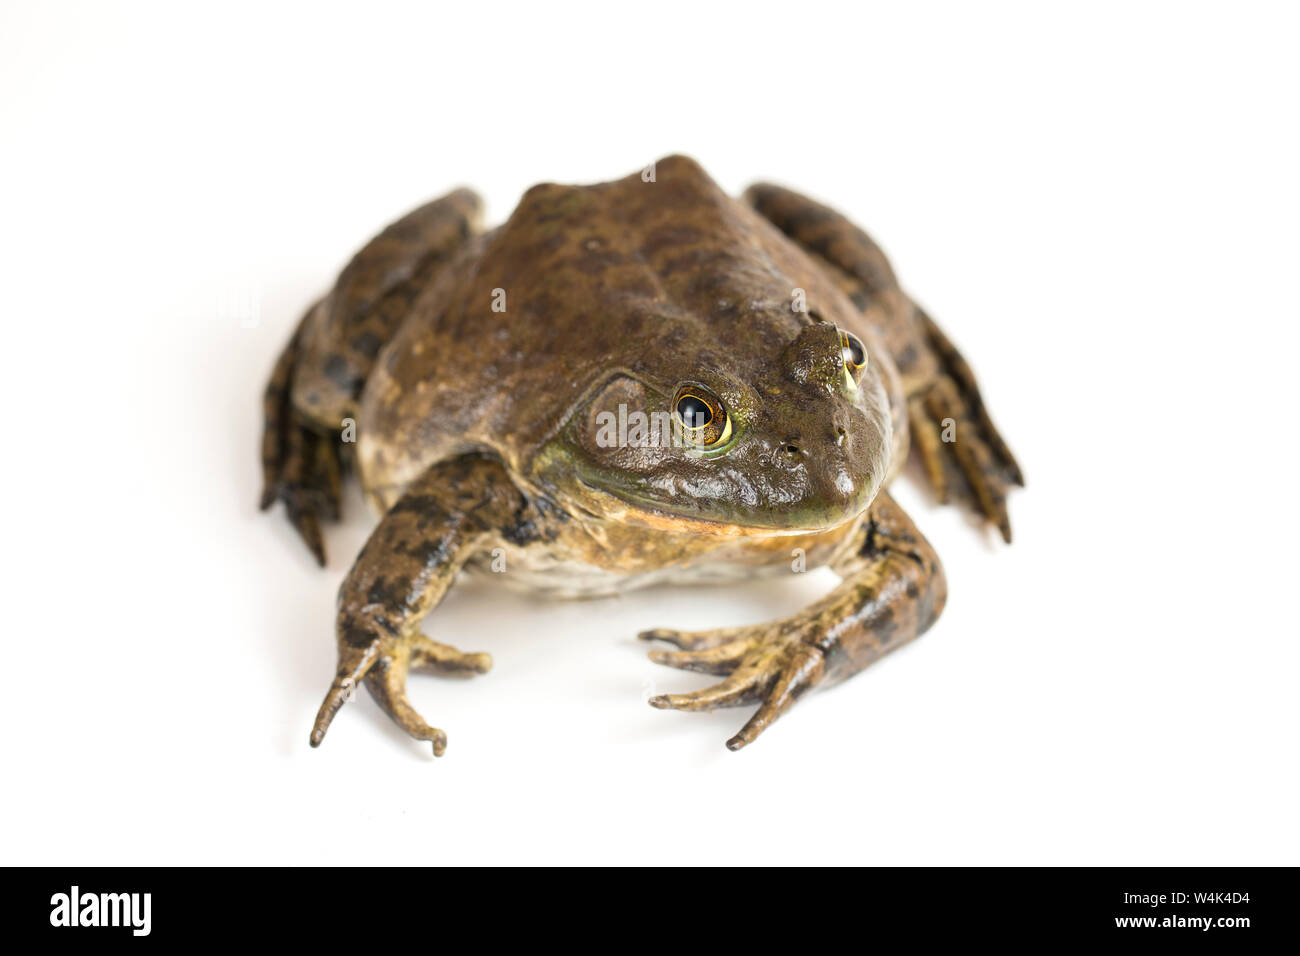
(627, 508)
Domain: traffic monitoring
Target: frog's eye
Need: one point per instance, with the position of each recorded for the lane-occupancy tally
(701, 417)
(855, 357)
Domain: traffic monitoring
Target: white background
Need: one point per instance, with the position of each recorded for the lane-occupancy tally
(1099, 203)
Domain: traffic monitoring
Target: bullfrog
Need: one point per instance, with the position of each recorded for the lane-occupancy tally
(644, 381)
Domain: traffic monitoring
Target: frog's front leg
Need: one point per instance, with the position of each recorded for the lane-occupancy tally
(402, 573)
(893, 590)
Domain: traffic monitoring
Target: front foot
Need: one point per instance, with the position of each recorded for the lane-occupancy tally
(382, 664)
(892, 590)
(769, 664)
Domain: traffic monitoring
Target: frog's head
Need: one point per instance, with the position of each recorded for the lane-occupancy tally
(796, 438)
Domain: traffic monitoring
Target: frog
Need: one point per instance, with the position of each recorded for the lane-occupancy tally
(639, 382)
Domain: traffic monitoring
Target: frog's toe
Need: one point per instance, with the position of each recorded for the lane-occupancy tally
(985, 474)
(309, 484)
(986, 483)
(800, 672)
(340, 692)
(300, 465)
(306, 522)
(960, 453)
(742, 687)
(395, 704)
(693, 640)
(722, 659)
(386, 682)
(929, 447)
(428, 654)
(354, 664)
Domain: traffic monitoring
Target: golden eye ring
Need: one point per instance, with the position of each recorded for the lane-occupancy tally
(700, 417)
(854, 355)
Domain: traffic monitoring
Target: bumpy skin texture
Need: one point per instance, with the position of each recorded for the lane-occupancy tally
(479, 369)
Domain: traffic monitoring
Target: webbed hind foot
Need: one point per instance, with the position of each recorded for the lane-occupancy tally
(958, 444)
(301, 466)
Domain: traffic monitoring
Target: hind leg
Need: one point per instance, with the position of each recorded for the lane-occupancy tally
(958, 444)
(301, 465)
(319, 377)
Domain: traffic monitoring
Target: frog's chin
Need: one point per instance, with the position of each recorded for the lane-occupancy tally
(624, 509)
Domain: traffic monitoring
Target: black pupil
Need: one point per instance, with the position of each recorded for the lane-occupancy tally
(695, 412)
(855, 355)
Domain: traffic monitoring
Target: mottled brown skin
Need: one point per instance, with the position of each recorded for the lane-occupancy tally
(478, 366)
